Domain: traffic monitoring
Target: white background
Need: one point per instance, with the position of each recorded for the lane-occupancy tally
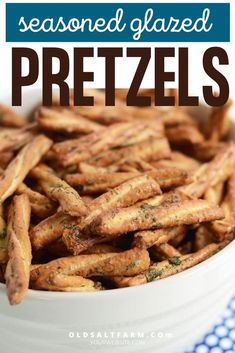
(125, 68)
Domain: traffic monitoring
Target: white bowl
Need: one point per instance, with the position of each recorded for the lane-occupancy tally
(165, 316)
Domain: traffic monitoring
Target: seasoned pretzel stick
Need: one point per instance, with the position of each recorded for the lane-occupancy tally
(151, 149)
(64, 283)
(218, 170)
(224, 229)
(25, 160)
(49, 229)
(148, 238)
(106, 115)
(78, 150)
(178, 160)
(65, 121)
(101, 182)
(126, 194)
(169, 177)
(124, 220)
(58, 190)
(120, 113)
(169, 267)
(19, 249)
(129, 262)
(12, 139)
(78, 242)
(41, 206)
(146, 134)
(91, 183)
(150, 129)
(8, 117)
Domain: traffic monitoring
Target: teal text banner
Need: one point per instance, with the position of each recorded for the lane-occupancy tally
(118, 22)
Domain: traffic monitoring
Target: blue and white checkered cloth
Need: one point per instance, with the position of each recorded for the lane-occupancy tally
(221, 339)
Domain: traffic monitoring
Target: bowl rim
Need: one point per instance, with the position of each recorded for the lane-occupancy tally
(199, 268)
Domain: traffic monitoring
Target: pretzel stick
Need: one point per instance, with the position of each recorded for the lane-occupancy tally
(64, 283)
(65, 121)
(104, 114)
(151, 149)
(91, 183)
(124, 220)
(148, 238)
(126, 194)
(178, 160)
(49, 229)
(143, 135)
(218, 170)
(41, 206)
(169, 177)
(58, 190)
(78, 150)
(109, 115)
(169, 267)
(101, 182)
(224, 229)
(19, 249)
(13, 139)
(129, 262)
(25, 160)
(78, 242)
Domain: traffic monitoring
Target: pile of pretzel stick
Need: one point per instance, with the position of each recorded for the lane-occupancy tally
(95, 198)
